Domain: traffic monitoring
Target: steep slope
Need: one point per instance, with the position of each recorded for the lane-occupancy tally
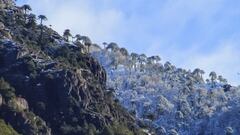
(170, 100)
(6, 129)
(49, 86)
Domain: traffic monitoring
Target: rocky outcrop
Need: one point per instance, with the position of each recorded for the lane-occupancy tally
(10, 52)
(14, 110)
(55, 84)
(21, 103)
(56, 94)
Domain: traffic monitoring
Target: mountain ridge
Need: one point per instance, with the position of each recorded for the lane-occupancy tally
(49, 86)
(53, 84)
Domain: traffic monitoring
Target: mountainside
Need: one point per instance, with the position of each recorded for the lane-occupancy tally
(50, 86)
(67, 85)
(170, 100)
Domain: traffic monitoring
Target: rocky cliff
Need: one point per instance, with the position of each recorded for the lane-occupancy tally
(48, 86)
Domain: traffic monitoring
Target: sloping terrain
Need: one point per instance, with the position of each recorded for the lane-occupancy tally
(171, 100)
(49, 86)
(66, 85)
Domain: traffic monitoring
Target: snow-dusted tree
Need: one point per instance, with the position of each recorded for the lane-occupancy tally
(229, 131)
(104, 45)
(167, 66)
(134, 57)
(197, 74)
(142, 60)
(87, 42)
(208, 81)
(222, 80)
(95, 48)
(179, 115)
(149, 63)
(173, 132)
(161, 131)
(150, 60)
(157, 59)
(185, 90)
(213, 77)
(77, 37)
(79, 44)
(113, 47)
(67, 34)
(124, 51)
(202, 72)
(184, 106)
(171, 97)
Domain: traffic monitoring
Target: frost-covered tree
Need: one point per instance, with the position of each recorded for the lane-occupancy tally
(77, 37)
(222, 80)
(150, 60)
(202, 72)
(134, 57)
(161, 131)
(179, 115)
(124, 51)
(173, 132)
(113, 47)
(67, 34)
(213, 77)
(157, 59)
(165, 97)
(167, 66)
(104, 45)
(142, 60)
(86, 42)
(229, 131)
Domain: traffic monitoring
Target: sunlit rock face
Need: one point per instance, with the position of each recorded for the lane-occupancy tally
(22, 104)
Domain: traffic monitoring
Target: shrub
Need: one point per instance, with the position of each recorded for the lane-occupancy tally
(119, 129)
(6, 90)
(116, 129)
(107, 131)
(6, 129)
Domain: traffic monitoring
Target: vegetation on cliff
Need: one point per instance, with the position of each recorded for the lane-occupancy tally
(6, 129)
(50, 85)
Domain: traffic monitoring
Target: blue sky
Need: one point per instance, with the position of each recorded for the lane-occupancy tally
(188, 33)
